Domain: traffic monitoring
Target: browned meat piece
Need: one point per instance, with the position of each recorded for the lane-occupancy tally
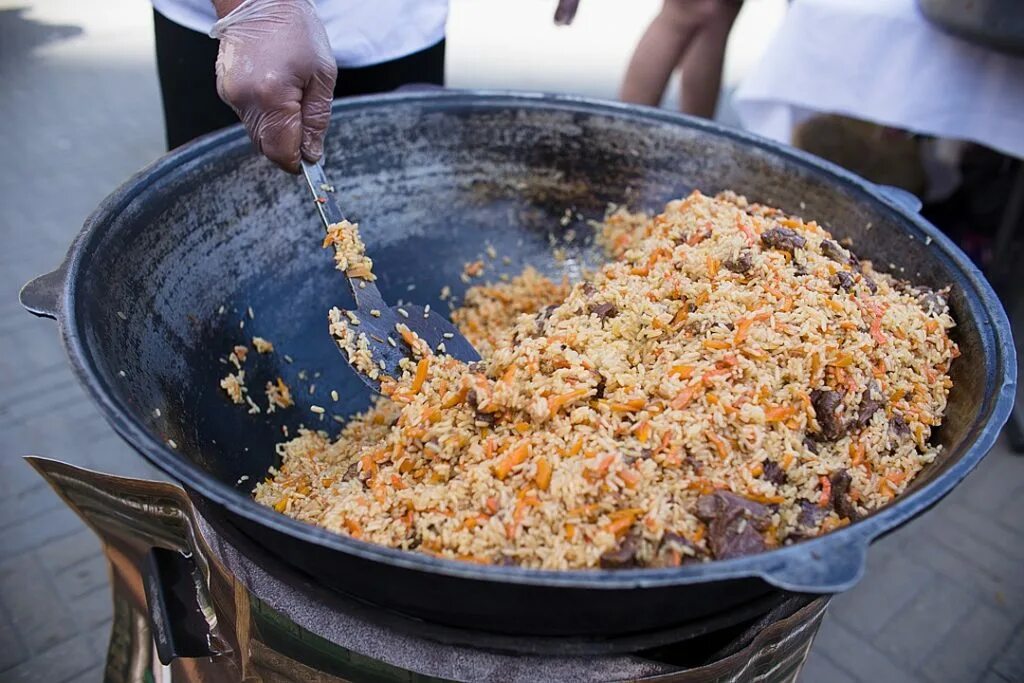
(773, 472)
(543, 316)
(898, 425)
(872, 287)
(741, 264)
(841, 495)
(831, 250)
(826, 405)
(810, 513)
(783, 239)
(588, 289)
(810, 445)
(870, 401)
(604, 311)
(933, 303)
(674, 550)
(734, 524)
(841, 280)
(624, 556)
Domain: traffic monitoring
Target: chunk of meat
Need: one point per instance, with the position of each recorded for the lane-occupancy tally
(741, 264)
(933, 303)
(832, 250)
(622, 557)
(544, 315)
(810, 445)
(841, 280)
(783, 239)
(588, 289)
(773, 472)
(841, 501)
(898, 425)
(870, 401)
(872, 287)
(674, 550)
(811, 514)
(604, 310)
(734, 524)
(826, 409)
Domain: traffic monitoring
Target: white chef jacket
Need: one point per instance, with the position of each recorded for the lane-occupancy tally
(362, 32)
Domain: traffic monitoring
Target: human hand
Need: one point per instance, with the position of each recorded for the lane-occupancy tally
(566, 12)
(276, 70)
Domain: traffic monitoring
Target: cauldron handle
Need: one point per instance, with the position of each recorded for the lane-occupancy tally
(902, 198)
(832, 565)
(41, 296)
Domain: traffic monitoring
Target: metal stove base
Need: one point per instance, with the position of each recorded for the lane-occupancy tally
(217, 609)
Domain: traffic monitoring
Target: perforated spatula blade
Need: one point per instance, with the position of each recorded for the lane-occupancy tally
(433, 328)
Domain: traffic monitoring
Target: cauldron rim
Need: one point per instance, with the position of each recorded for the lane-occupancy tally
(829, 563)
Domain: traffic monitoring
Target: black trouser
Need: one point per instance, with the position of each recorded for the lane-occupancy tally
(185, 60)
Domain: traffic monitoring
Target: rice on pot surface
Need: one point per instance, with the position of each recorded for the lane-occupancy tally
(732, 380)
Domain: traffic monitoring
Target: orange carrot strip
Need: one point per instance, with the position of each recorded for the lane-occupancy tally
(556, 403)
(826, 491)
(543, 476)
(779, 413)
(720, 446)
(681, 371)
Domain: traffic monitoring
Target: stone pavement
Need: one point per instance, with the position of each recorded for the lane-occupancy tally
(943, 599)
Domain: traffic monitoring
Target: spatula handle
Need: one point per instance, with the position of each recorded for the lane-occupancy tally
(366, 294)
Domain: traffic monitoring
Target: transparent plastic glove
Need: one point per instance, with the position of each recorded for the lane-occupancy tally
(276, 70)
(566, 12)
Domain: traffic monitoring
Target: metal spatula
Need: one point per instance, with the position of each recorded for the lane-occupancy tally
(432, 327)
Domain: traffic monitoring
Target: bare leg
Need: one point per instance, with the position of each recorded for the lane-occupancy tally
(661, 48)
(703, 59)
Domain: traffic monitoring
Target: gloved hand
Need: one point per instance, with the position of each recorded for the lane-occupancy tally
(276, 70)
(566, 12)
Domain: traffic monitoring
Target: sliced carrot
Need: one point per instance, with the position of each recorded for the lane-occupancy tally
(779, 413)
(856, 452)
(604, 465)
(716, 344)
(353, 527)
(684, 397)
(720, 446)
(643, 432)
(712, 266)
(742, 328)
(556, 403)
(455, 397)
(543, 475)
(629, 406)
(826, 491)
(367, 465)
(576, 447)
(516, 457)
(681, 371)
(630, 478)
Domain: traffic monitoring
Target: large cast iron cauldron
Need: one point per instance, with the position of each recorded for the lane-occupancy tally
(433, 177)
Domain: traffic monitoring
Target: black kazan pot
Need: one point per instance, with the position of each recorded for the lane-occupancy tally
(434, 177)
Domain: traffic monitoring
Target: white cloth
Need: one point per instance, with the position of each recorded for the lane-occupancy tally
(362, 32)
(882, 61)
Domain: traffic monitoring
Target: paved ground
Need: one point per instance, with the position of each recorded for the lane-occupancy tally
(943, 599)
